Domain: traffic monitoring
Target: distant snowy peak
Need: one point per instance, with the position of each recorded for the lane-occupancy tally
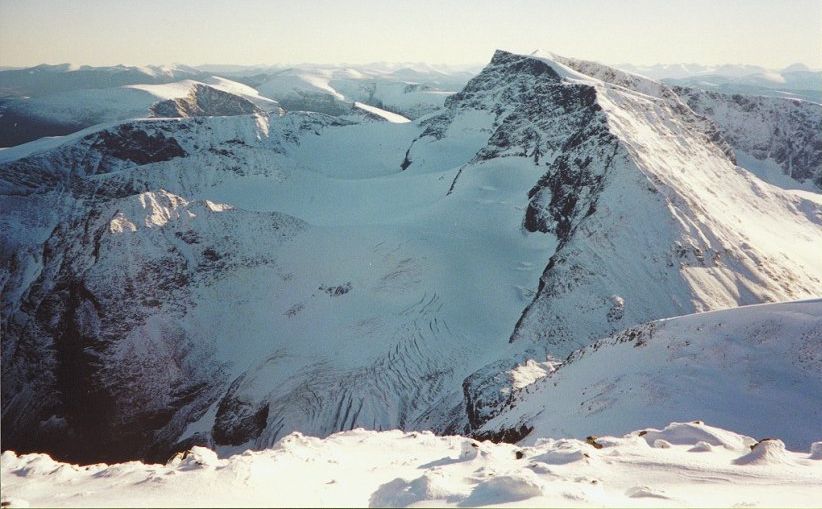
(663, 71)
(796, 81)
(678, 71)
(334, 90)
(204, 100)
(186, 88)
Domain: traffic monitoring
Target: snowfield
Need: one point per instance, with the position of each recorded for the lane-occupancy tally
(684, 464)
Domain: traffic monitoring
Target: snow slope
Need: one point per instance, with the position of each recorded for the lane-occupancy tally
(382, 114)
(757, 369)
(684, 464)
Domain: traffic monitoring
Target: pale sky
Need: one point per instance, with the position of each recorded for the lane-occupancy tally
(771, 33)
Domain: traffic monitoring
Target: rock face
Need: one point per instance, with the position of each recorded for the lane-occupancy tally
(226, 280)
(205, 101)
(595, 190)
(105, 151)
(787, 132)
(124, 375)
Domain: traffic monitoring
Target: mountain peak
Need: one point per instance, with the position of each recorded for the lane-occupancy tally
(797, 67)
(529, 64)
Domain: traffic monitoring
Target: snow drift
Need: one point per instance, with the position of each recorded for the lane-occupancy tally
(361, 468)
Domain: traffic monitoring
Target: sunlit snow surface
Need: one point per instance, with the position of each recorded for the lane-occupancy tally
(685, 464)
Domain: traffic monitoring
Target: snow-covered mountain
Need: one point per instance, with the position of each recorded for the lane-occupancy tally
(757, 369)
(58, 100)
(226, 280)
(29, 118)
(407, 91)
(677, 71)
(629, 196)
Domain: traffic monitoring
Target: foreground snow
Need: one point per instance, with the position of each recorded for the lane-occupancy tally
(685, 464)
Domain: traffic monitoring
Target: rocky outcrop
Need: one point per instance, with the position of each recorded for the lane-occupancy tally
(486, 391)
(785, 131)
(96, 365)
(238, 421)
(104, 151)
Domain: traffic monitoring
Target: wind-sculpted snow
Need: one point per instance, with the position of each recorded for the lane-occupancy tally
(362, 273)
(687, 463)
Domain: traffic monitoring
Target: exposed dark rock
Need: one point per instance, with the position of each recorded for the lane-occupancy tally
(130, 143)
(486, 391)
(508, 436)
(785, 130)
(336, 291)
(592, 440)
(105, 151)
(238, 421)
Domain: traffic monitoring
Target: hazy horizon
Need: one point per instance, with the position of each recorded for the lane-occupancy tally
(321, 32)
(458, 67)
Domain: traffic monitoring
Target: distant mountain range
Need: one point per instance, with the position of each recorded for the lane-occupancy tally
(794, 81)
